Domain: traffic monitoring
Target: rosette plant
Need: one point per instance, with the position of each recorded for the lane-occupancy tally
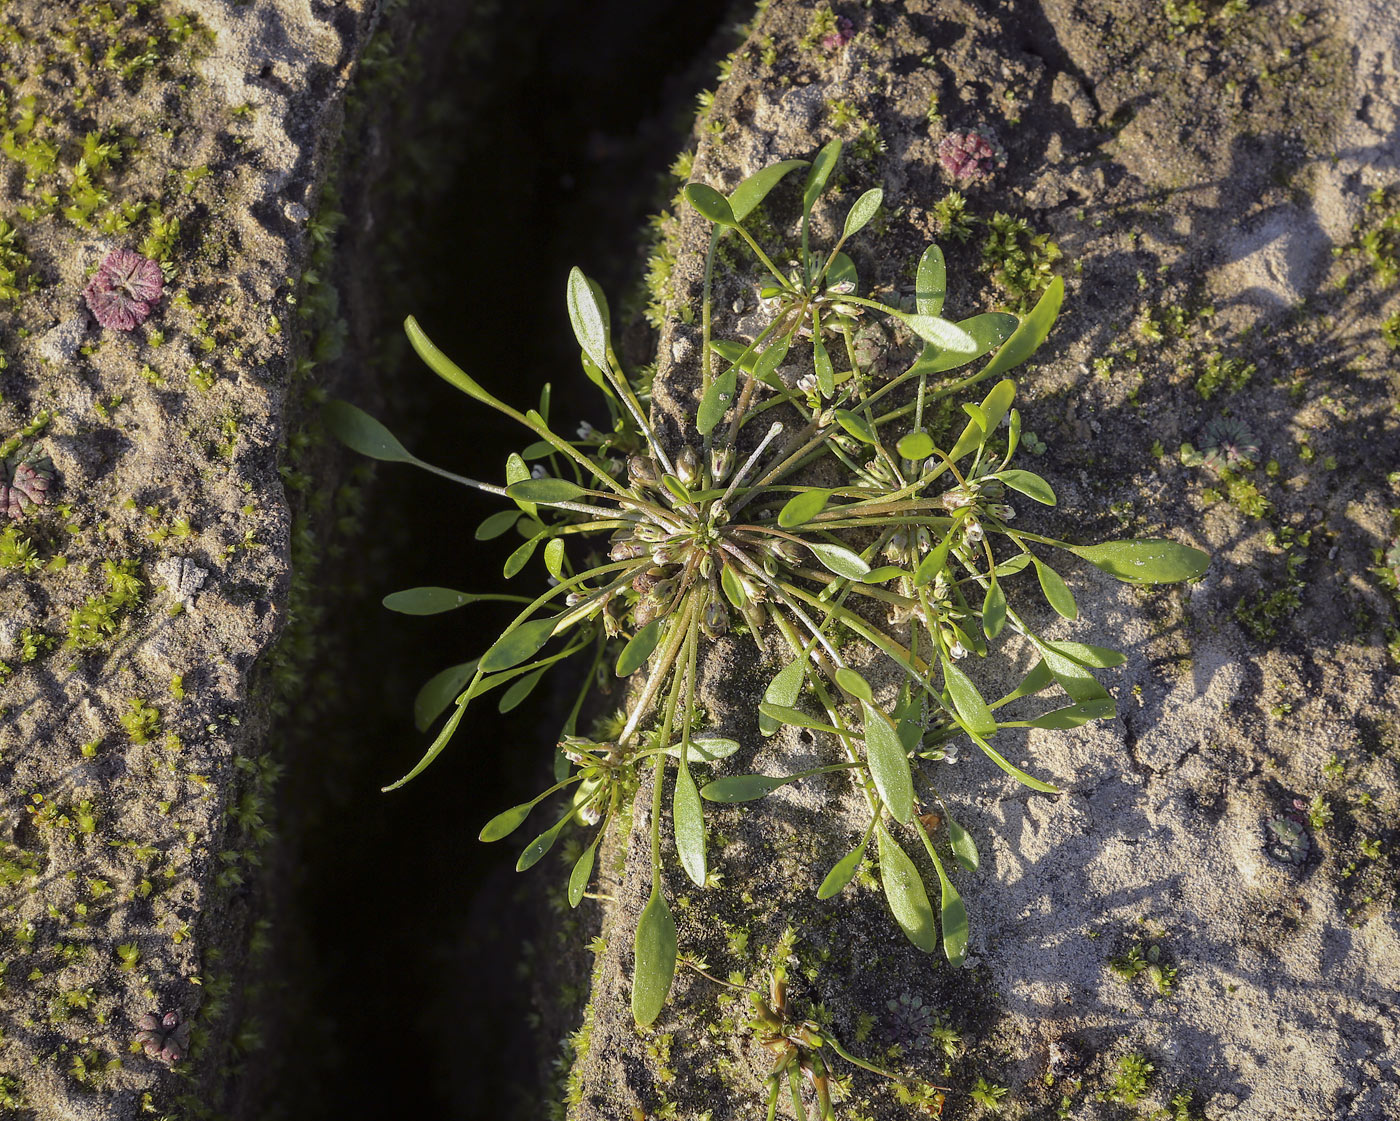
(654, 550)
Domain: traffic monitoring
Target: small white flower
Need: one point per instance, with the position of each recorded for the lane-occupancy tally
(586, 431)
(972, 531)
(957, 650)
(590, 814)
(538, 472)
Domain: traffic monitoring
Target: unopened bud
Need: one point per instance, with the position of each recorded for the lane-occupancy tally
(715, 621)
(721, 463)
(662, 592)
(688, 467)
(755, 615)
(786, 550)
(612, 617)
(642, 470)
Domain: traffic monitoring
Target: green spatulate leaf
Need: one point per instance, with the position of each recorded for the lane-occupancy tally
(1151, 560)
(654, 959)
(889, 765)
(360, 432)
(904, 890)
(844, 869)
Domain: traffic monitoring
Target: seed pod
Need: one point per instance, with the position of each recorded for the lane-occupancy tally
(715, 621)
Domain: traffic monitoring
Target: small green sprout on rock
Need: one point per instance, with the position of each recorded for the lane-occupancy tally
(97, 619)
(988, 1094)
(1147, 960)
(1131, 1081)
(907, 557)
(141, 721)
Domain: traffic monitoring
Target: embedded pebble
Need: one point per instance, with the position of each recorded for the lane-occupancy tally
(181, 577)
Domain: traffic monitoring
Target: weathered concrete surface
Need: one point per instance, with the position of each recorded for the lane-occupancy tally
(135, 780)
(1208, 181)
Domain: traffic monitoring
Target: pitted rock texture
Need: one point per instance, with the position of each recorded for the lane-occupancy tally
(134, 785)
(1214, 178)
